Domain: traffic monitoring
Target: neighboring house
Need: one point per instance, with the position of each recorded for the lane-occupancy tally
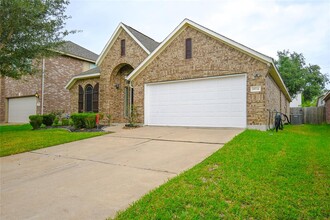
(44, 93)
(296, 102)
(320, 101)
(195, 77)
(326, 99)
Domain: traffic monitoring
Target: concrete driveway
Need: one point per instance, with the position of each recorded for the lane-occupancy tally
(94, 178)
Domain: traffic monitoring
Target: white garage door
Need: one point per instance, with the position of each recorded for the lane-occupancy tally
(211, 102)
(19, 109)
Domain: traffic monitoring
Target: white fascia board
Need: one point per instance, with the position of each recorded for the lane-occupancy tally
(228, 41)
(159, 48)
(112, 40)
(135, 39)
(75, 78)
(279, 76)
(108, 45)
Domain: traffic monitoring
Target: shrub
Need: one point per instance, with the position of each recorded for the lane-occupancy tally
(133, 117)
(35, 121)
(65, 122)
(82, 120)
(58, 114)
(90, 122)
(48, 119)
(56, 120)
(109, 119)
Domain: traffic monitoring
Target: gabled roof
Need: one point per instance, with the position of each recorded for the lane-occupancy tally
(185, 23)
(92, 73)
(74, 50)
(148, 42)
(145, 42)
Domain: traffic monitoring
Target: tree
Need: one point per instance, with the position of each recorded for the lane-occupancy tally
(299, 77)
(29, 30)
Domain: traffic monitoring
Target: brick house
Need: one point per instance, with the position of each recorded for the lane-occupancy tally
(195, 77)
(44, 93)
(327, 106)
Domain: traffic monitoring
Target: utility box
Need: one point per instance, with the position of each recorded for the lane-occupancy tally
(296, 119)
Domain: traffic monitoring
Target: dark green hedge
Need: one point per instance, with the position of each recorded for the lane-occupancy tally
(84, 120)
(48, 119)
(35, 121)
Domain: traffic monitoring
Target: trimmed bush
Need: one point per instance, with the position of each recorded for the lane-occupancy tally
(65, 122)
(48, 119)
(36, 121)
(90, 122)
(56, 120)
(84, 120)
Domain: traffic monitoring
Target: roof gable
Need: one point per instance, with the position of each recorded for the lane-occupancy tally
(145, 42)
(188, 23)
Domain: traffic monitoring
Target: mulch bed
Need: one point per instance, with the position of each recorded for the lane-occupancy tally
(72, 129)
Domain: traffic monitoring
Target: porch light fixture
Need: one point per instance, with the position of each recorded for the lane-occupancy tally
(36, 95)
(117, 86)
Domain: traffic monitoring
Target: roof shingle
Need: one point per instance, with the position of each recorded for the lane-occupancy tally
(148, 42)
(71, 48)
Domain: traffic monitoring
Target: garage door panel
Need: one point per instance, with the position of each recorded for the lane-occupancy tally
(216, 102)
(19, 109)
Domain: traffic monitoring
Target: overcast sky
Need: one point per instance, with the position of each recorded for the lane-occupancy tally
(266, 26)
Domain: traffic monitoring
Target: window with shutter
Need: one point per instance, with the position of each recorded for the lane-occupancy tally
(96, 98)
(80, 99)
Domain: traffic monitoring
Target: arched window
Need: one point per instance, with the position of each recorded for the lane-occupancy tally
(96, 98)
(80, 99)
(89, 98)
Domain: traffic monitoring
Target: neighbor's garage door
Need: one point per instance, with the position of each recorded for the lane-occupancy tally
(19, 109)
(211, 102)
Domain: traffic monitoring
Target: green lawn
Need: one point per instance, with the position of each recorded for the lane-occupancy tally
(16, 139)
(257, 175)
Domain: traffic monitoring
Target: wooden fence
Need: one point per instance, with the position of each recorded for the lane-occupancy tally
(310, 115)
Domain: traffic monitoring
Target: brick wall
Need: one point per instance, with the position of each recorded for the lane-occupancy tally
(275, 100)
(112, 99)
(210, 57)
(58, 71)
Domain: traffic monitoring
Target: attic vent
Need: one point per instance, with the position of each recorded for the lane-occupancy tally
(122, 47)
(188, 48)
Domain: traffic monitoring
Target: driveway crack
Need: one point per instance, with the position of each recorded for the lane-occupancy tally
(104, 162)
(169, 140)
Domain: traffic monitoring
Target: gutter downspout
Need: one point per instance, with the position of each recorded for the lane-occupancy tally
(130, 97)
(42, 85)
